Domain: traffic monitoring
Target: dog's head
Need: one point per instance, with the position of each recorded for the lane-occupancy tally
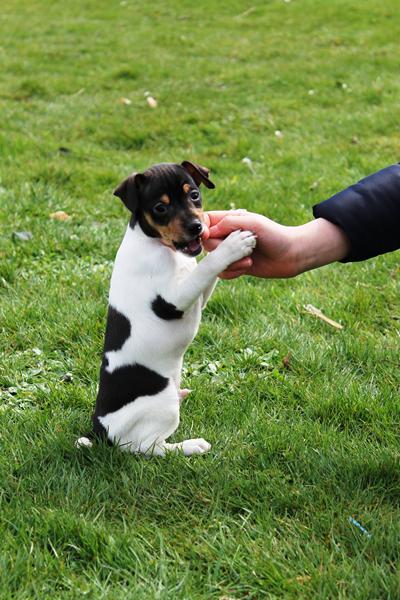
(166, 202)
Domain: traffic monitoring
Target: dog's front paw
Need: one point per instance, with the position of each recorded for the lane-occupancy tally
(236, 246)
(198, 446)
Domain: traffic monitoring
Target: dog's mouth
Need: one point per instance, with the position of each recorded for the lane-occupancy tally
(192, 248)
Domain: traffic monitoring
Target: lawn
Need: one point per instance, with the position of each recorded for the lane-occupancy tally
(303, 418)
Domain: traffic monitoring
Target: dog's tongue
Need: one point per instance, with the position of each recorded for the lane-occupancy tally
(193, 246)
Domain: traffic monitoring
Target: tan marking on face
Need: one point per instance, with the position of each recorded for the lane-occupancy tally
(170, 233)
(186, 187)
(199, 213)
(165, 199)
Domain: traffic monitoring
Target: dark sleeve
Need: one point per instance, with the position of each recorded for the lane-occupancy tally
(368, 212)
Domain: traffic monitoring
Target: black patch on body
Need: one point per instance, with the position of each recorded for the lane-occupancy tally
(124, 385)
(99, 432)
(165, 310)
(118, 330)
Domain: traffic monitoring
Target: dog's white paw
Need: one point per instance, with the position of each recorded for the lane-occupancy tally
(238, 245)
(197, 446)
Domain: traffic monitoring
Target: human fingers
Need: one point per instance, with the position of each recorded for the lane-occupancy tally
(205, 234)
(232, 274)
(241, 265)
(215, 216)
(233, 222)
(210, 244)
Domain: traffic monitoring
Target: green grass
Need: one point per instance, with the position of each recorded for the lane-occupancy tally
(296, 451)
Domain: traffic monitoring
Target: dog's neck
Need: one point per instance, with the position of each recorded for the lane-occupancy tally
(144, 232)
(140, 221)
(136, 235)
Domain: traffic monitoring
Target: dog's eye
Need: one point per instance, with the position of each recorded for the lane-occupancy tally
(195, 196)
(160, 208)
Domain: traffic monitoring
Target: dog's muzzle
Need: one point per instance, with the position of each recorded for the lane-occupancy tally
(193, 246)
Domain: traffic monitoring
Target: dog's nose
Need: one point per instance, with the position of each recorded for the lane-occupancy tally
(195, 228)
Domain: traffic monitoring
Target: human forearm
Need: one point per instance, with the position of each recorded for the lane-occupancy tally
(315, 244)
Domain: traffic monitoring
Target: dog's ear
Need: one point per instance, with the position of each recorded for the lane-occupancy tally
(128, 191)
(198, 173)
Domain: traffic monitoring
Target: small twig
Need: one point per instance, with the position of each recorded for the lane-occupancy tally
(78, 93)
(246, 13)
(318, 313)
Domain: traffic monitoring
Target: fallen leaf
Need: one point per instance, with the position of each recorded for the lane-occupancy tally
(125, 101)
(152, 102)
(286, 360)
(59, 215)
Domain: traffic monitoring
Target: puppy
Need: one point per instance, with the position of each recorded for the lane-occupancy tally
(157, 293)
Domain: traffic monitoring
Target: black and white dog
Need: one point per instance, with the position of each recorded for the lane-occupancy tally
(156, 297)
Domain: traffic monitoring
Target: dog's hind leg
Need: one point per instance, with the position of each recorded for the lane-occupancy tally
(157, 422)
(189, 447)
(143, 425)
(159, 447)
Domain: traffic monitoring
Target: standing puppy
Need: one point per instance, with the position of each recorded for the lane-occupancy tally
(156, 296)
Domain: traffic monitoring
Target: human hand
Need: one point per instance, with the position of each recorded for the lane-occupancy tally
(270, 258)
(281, 251)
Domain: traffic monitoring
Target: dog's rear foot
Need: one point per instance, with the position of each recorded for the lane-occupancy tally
(83, 441)
(196, 446)
(188, 447)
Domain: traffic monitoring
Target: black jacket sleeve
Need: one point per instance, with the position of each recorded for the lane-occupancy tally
(368, 212)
